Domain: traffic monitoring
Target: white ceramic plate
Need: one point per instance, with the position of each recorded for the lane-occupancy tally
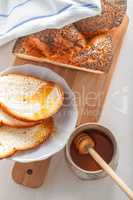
(65, 120)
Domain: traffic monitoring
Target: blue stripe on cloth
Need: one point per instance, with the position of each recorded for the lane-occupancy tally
(12, 9)
(93, 6)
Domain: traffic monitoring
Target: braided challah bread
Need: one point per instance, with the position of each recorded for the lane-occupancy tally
(67, 46)
(85, 45)
(112, 16)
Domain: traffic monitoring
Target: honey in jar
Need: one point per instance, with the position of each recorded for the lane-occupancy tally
(103, 146)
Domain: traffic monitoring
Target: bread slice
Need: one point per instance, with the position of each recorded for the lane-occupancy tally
(28, 98)
(6, 119)
(14, 139)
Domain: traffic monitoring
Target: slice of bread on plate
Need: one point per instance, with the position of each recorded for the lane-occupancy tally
(19, 139)
(28, 98)
(6, 119)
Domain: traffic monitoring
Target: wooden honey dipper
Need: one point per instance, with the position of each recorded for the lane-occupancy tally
(85, 144)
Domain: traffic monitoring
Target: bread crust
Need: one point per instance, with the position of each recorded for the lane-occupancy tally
(29, 124)
(27, 119)
(44, 60)
(95, 67)
(50, 124)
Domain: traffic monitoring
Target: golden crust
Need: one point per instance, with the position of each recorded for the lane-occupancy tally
(112, 16)
(97, 47)
(59, 46)
(50, 126)
(26, 119)
(98, 55)
(20, 126)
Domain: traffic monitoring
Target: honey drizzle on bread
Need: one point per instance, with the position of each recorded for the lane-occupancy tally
(32, 109)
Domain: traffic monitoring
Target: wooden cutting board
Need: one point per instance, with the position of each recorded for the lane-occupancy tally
(90, 90)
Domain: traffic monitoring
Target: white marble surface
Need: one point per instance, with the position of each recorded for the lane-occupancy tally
(117, 115)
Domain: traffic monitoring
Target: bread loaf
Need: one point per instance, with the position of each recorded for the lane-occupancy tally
(70, 45)
(95, 55)
(111, 16)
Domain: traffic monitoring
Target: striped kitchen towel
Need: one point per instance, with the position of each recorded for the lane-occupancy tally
(23, 17)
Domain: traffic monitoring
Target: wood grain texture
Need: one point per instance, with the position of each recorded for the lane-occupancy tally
(90, 90)
(30, 174)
